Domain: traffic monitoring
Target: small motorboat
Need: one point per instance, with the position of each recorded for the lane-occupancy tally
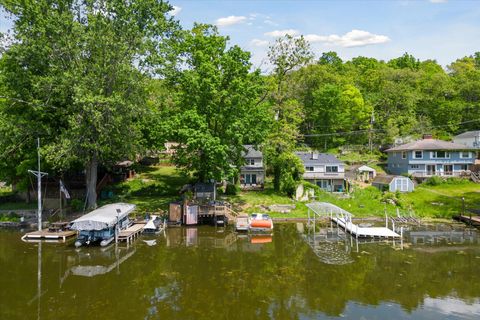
(261, 223)
(153, 225)
(242, 223)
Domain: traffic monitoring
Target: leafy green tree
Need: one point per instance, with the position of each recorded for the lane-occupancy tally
(218, 109)
(286, 55)
(81, 69)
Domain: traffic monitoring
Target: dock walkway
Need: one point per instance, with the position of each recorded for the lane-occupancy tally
(131, 232)
(343, 219)
(45, 234)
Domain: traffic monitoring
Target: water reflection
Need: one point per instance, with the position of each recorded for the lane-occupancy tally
(209, 273)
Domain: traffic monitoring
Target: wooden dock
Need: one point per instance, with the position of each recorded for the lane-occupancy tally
(45, 234)
(131, 233)
(473, 220)
(343, 218)
(372, 232)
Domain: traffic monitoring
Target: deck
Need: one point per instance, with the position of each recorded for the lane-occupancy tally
(473, 220)
(131, 232)
(355, 230)
(49, 235)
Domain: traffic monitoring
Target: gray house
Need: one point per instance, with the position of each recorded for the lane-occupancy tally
(430, 157)
(324, 170)
(470, 138)
(393, 183)
(252, 174)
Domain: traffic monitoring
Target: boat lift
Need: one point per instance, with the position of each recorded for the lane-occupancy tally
(343, 219)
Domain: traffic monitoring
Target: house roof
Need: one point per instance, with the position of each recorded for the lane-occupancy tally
(252, 152)
(429, 144)
(385, 179)
(361, 167)
(323, 158)
(468, 134)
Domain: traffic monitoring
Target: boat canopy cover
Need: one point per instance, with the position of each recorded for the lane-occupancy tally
(151, 224)
(103, 217)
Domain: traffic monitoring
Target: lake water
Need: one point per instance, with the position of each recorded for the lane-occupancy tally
(208, 273)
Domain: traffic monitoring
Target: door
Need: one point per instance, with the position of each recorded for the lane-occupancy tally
(431, 170)
(254, 179)
(248, 179)
(448, 169)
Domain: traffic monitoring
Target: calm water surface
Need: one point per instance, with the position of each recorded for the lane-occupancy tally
(208, 273)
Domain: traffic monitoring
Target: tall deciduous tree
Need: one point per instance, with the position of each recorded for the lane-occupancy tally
(287, 54)
(217, 104)
(81, 70)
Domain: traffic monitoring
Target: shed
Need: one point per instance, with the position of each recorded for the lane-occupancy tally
(361, 173)
(204, 191)
(393, 183)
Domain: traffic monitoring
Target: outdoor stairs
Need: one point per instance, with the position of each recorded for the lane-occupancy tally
(475, 176)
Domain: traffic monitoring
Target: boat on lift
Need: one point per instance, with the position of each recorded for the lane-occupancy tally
(103, 224)
(154, 225)
(261, 222)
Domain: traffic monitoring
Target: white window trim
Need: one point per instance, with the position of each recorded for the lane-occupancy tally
(414, 155)
(326, 170)
(435, 153)
(414, 166)
(462, 157)
(404, 154)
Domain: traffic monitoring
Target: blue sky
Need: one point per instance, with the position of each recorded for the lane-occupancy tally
(428, 29)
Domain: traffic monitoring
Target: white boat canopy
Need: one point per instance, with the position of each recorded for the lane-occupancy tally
(103, 217)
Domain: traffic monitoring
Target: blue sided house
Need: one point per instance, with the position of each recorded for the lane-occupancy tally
(430, 157)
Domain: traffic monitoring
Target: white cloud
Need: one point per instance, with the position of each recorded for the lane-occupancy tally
(281, 33)
(354, 38)
(270, 22)
(438, 1)
(230, 20)
(259, 42)
(176, 10)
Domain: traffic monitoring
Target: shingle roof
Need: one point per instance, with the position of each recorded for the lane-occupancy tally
(429, 144)
(384, 179)
(323, 158)
(468, 134)
(251, 152)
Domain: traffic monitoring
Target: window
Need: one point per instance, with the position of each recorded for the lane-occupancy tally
(441, 155)
(332, 169)
(417, 154)
(250, 162)
(463, 167)
(464, 154)
(404, 155)
(415, 166)
(309, 169)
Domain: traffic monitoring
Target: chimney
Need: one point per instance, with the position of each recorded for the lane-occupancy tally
(314, 155)
(427, 136)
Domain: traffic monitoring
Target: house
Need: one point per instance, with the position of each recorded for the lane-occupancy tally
(252, 174)
(361, 173)
(324, 170)
(430, 157)
(470, 138)
(393, 183)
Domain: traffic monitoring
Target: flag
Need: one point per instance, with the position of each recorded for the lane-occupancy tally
(64, 190)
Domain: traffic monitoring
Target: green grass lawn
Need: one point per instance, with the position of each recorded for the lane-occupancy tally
(153, 188)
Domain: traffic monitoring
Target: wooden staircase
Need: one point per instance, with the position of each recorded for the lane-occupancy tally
(475, 176)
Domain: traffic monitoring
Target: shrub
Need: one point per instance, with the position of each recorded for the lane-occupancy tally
(434, 181)
(77, 205)
(231, 189)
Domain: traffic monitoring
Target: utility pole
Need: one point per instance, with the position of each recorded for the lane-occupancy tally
(370, 132)
(39, 176)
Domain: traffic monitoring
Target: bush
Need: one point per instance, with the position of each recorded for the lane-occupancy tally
(77, 205)
(231, 189)
(434, 181)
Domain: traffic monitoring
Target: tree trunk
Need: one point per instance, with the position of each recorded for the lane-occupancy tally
(91, 179)
(276, 177)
